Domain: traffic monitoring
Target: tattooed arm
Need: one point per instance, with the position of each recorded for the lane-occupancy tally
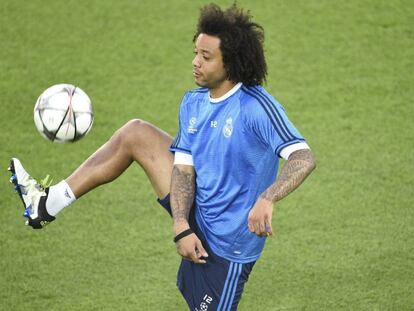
(298, 166)
(182, 195)
(182, 198)
(295, 170)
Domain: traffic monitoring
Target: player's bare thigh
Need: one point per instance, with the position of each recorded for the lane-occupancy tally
(152, 153)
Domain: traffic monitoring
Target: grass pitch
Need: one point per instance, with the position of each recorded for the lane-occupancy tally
(343, 71)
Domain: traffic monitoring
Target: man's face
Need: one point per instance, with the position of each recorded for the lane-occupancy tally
(208, 67)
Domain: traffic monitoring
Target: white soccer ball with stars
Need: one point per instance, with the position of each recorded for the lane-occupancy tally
(63, 113)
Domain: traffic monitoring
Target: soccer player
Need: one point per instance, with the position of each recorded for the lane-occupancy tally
(217, 177)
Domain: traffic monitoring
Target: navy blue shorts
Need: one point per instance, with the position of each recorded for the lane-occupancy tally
(216, 285)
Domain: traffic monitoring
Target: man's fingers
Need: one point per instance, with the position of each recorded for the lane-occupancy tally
(251, 227)
(260, 218)
(262, 229)
(250, 224)
(191, 248)
(254, 226)
(268, 225)
(261, 226)
(195, 258)
(257, 227)
(201, 251)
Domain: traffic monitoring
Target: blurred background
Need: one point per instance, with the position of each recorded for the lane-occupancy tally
(344, 73)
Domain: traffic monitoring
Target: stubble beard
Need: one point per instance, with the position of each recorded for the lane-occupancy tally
(212, 85)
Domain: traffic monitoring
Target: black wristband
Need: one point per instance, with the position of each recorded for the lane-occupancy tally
(182, 234)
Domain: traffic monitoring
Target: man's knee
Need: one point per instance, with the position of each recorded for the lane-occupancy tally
(135, 125)
(135, 131)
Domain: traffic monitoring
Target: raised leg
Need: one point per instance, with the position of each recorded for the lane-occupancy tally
(137, 141)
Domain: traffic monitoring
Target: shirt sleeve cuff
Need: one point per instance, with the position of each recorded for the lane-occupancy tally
(183, 158)
(287, 151)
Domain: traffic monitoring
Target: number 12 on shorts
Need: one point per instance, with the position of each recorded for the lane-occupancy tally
(205, 303)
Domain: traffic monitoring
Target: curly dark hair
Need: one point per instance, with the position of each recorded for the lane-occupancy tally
(241, 42)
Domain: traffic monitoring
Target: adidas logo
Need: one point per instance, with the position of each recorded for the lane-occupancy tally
(67, 194)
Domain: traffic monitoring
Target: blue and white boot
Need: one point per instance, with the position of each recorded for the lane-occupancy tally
(32, 194)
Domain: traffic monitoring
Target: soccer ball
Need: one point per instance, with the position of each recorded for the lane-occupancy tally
(63, 113)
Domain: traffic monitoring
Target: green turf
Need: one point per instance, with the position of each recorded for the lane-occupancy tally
(344, 72)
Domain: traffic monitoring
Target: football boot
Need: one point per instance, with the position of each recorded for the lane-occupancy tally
(33, 195)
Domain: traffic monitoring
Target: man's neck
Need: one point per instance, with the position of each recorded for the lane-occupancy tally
(222, 89)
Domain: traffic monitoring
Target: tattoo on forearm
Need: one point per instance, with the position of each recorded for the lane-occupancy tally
(299, 165)
(182, 194)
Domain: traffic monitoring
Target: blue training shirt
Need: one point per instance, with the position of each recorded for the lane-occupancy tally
(235, 145)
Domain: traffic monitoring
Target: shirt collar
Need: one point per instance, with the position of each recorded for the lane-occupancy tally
(225, 96)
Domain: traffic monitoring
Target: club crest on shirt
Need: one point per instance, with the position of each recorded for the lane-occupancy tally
(191, 128)
(228, 128)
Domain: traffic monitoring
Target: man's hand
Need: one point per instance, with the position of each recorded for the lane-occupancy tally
(298, 166)
(260, 218)
(190, 248)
